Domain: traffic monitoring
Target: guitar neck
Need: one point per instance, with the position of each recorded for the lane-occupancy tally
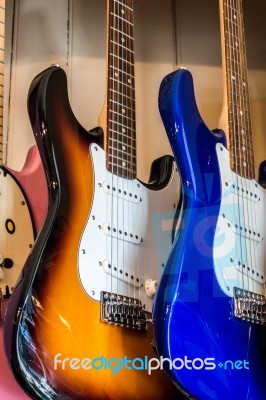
(121, 120)
(237, 91)
(2, 44)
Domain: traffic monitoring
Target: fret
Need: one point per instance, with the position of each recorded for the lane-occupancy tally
(122, 105)
(233, 23)
(120, 162)
(122, 115)
(127, 83)
(122, 146)
(124, 154)
(122, 59)
(121, 125)
(122, 138)
(244, 166)
(125, 141)
(122, 95)
(239, 116)
(116, 81)
(127, 86)
(124, 172)
(127, 169)
(121, 18)
(121, 155)
(122, 51)
(124, 5)
(237, 69)
(131, 76)
(114, 161)
(124, 128)
(239, 110)
(122, 46)
(124, 33)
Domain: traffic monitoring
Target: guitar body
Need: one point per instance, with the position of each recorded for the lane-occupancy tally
(32, 179)
(23, 207)
(17, 231)
(215, 354)
(51, 315)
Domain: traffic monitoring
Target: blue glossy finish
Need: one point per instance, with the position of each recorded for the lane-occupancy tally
(192, 317)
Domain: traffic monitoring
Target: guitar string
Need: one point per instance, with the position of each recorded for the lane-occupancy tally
(130, 63)
(245, 145)
(125, 163)
(128, 69)
(235, 126)
(242, 163)
(255, 215)
(119, 24)
(109, 148)
(233, 122)
(136, 222)
(249, 153)
(241, 170)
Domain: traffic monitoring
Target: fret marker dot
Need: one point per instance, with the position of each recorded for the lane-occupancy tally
(122, 11)
(123, 147)
(122, 39)
(244, 164)
(116, 74)
(123, 163)
(123, 110)
(241, 112)
(243, 148)
(242, 131)
(129, 80)
(236, 44)
(123, 130)
(233, 77)
(234, 16)
(244, 84)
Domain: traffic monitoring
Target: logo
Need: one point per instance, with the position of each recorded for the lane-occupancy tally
(145, 364)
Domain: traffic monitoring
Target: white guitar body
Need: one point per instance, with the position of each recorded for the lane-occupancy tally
(16, 231)
(128, 235)
(239, 243)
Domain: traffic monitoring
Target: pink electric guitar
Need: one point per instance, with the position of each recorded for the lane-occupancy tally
(23, 205)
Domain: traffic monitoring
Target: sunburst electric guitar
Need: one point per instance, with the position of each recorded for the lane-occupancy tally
(87, 289)
(209, 311)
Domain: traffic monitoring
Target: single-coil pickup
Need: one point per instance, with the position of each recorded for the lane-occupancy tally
(127, 191)
(254, 273)
(123, 274)
(250, 193)
(244, 230)
(123, 234)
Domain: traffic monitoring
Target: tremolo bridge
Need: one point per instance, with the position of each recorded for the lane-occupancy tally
(249, 306)
(123, 311)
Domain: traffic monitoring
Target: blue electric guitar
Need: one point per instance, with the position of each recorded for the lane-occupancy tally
(209, 311)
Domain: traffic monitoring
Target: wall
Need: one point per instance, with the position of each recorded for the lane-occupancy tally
(167, 34)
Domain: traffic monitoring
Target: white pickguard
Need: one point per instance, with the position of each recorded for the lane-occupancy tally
(16, 230)
(239, 245)
(128, 235)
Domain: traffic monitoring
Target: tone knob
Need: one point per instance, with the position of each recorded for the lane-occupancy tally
(151, 287)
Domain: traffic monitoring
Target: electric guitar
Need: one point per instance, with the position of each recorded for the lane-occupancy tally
(23, 202)
(23, 205)
(209, 312)
(87, 288)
